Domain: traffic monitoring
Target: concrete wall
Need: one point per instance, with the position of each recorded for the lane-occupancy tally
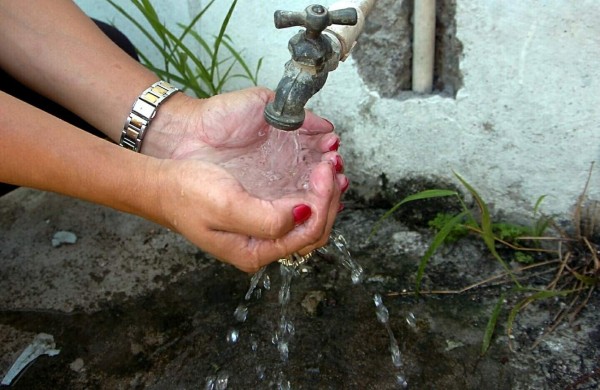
(525, 123)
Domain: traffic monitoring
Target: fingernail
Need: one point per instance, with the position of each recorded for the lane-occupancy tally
(345, 185)
(335, 146)
(339, 164)
(341, 207)
(301, 213)
(328, 121)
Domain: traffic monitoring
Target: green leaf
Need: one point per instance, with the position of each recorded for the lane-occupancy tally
(491, 325)
(544, 294)
(437, 241)
(487, 232)
(587, 280)
(427, 194)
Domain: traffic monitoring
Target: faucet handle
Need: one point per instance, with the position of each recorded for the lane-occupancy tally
(315, 18)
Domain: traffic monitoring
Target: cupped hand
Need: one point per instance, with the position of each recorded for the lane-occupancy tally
(217, 152)
(207, 205)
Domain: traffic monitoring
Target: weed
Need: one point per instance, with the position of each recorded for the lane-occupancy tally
(576, 268)
(181, 64)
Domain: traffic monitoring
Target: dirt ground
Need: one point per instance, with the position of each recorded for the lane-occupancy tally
(131, 305)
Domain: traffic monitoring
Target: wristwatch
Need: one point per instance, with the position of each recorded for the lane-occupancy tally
(143, 111)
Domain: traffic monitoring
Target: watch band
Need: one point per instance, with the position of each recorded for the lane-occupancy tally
(142, 113)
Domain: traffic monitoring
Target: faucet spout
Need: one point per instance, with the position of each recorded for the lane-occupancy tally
(314, 55)
(296, 87)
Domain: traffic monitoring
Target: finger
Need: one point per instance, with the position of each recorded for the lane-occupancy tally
(343, 182)
(261, 218)
(250, 253)
(323, 143)
(314, 124)
(324, 199)
(336, 159)
(328, 193)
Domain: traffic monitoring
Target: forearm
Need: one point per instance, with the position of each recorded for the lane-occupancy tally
(40, 151)
(56, 50)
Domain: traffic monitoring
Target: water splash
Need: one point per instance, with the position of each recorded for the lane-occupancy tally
(278, 166)
(218, 382)
(338, 248)
(233, 336)
(241, 313)
(411, 320)
(285, 330)
(254, 282)
(383, 316)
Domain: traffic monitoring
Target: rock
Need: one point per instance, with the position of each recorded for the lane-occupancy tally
(313, 303)
(63, 237)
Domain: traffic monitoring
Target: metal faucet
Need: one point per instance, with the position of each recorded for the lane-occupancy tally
(314, 55)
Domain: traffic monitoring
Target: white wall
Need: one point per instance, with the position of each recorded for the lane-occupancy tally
(526, 123)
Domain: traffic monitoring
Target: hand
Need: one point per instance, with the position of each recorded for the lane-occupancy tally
(208, 205)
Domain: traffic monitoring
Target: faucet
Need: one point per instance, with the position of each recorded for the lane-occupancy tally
(314, 55)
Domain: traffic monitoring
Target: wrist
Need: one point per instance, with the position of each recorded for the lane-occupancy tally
(168, 127)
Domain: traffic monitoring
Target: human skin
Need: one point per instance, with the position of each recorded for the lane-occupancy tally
(56, 50)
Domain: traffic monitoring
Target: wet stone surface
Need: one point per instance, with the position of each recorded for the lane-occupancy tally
(131, 305)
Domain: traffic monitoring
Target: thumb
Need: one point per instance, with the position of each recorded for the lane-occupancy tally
(264, 219)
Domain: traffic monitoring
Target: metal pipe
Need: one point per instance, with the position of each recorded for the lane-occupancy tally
(347, 35)
(423, 46)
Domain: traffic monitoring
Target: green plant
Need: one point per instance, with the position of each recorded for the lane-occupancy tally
(181, 64)
(578, 278)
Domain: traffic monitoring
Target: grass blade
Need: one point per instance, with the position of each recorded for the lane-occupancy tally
(544, 294)
(487, 232)
(437, 241)
(491, 325)
(427, 194)
(219, 38)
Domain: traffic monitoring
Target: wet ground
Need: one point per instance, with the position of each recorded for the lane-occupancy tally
(131, 305)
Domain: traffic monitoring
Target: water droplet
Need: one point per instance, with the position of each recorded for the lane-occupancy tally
(284, 350)
(267, 282)
(357, 276)
(210, 382)
(254, 282)
(396, 357)
(411, 320)
(233, 336)
(380, 309)
(401, 381)
(283, 383)
(241, 313)
(222, 381)
(260, 372)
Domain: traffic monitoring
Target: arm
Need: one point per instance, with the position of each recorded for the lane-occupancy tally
(56, 50)
(197, 199)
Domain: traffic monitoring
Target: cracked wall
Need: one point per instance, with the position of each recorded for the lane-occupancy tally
(384, 50)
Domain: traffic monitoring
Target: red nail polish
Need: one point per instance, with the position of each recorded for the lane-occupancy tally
(301, 213)
(335, 146)
(345, 185)
(341, 207)
(339, 164)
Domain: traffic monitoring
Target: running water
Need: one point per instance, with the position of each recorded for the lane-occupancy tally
(277, 167)
(285, 330)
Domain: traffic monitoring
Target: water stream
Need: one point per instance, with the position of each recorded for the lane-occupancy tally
(285, 329)
(279, 166)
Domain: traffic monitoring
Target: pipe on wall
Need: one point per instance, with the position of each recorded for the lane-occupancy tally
(423, 46)
(347, 35)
